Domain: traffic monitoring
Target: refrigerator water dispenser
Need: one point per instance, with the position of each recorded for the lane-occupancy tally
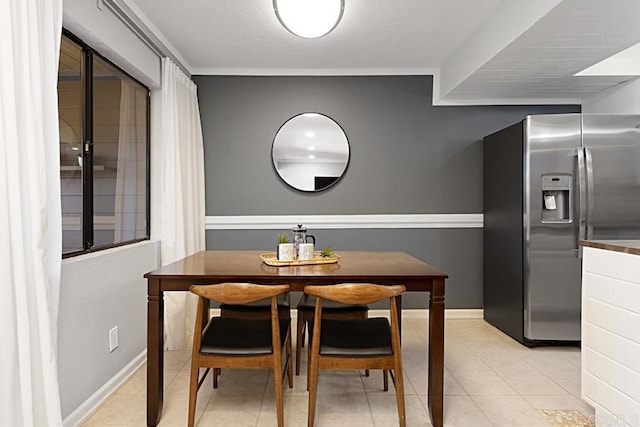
(556, 198)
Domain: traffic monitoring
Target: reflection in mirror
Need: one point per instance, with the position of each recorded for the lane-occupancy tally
(310, 152)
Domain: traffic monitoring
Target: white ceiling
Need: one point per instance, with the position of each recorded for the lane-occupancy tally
(479, 51)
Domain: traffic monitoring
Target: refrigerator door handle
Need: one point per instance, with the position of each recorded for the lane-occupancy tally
(590, 201)
(582, 194)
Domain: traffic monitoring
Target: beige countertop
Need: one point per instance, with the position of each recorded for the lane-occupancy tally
(626, 246)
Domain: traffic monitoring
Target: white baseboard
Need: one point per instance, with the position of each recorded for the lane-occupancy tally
(412, 313)
(464, 313)
(450, 313)
(82, 412)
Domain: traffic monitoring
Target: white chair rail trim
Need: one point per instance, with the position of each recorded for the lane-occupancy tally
(277, 222)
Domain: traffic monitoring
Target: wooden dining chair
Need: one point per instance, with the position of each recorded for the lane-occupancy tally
(330, 310)
(231, 342)
(371, 343)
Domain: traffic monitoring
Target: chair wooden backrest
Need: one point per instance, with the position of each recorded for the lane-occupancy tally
(238, 293)
(355, 293)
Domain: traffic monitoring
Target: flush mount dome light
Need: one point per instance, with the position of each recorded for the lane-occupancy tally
(309, 18)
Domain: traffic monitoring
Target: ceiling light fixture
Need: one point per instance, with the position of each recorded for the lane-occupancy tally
(309, 18)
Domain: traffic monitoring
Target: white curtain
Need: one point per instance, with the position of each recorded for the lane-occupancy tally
(183, 214)
(130, 200)
(30, 213)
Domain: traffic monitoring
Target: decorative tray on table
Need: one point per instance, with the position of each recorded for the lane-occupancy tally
(270, 258)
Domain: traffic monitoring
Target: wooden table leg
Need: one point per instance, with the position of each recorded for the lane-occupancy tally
(155, 354)
(435, 390)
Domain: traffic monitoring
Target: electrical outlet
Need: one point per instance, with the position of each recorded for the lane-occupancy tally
(113, 339)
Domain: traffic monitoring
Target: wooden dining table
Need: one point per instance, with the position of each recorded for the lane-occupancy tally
(206, 267)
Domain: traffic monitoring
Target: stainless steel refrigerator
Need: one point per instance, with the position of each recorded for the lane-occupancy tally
(550, 181)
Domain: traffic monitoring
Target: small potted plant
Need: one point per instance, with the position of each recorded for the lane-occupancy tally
(286, 251)
(326, 252)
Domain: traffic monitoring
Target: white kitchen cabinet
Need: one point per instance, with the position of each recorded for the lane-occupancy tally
(611, 331)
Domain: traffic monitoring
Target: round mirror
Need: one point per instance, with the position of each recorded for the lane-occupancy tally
(310, 152)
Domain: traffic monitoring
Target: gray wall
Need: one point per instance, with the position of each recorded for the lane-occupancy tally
(407, 157)
(97, 292)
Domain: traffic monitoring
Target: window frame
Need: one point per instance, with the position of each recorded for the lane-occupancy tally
(87, 107)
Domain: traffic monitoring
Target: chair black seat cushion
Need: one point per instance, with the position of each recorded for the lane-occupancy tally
(355, 337)
(245, 337)
(308, 303)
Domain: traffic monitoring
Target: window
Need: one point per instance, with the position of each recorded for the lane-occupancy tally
(104, 151)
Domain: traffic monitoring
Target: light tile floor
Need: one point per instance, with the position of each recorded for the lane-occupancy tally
(490, 380)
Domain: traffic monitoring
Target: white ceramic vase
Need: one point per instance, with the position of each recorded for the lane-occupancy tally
(286, 252)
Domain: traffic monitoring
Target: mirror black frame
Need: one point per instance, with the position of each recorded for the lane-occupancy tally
(329, 181)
